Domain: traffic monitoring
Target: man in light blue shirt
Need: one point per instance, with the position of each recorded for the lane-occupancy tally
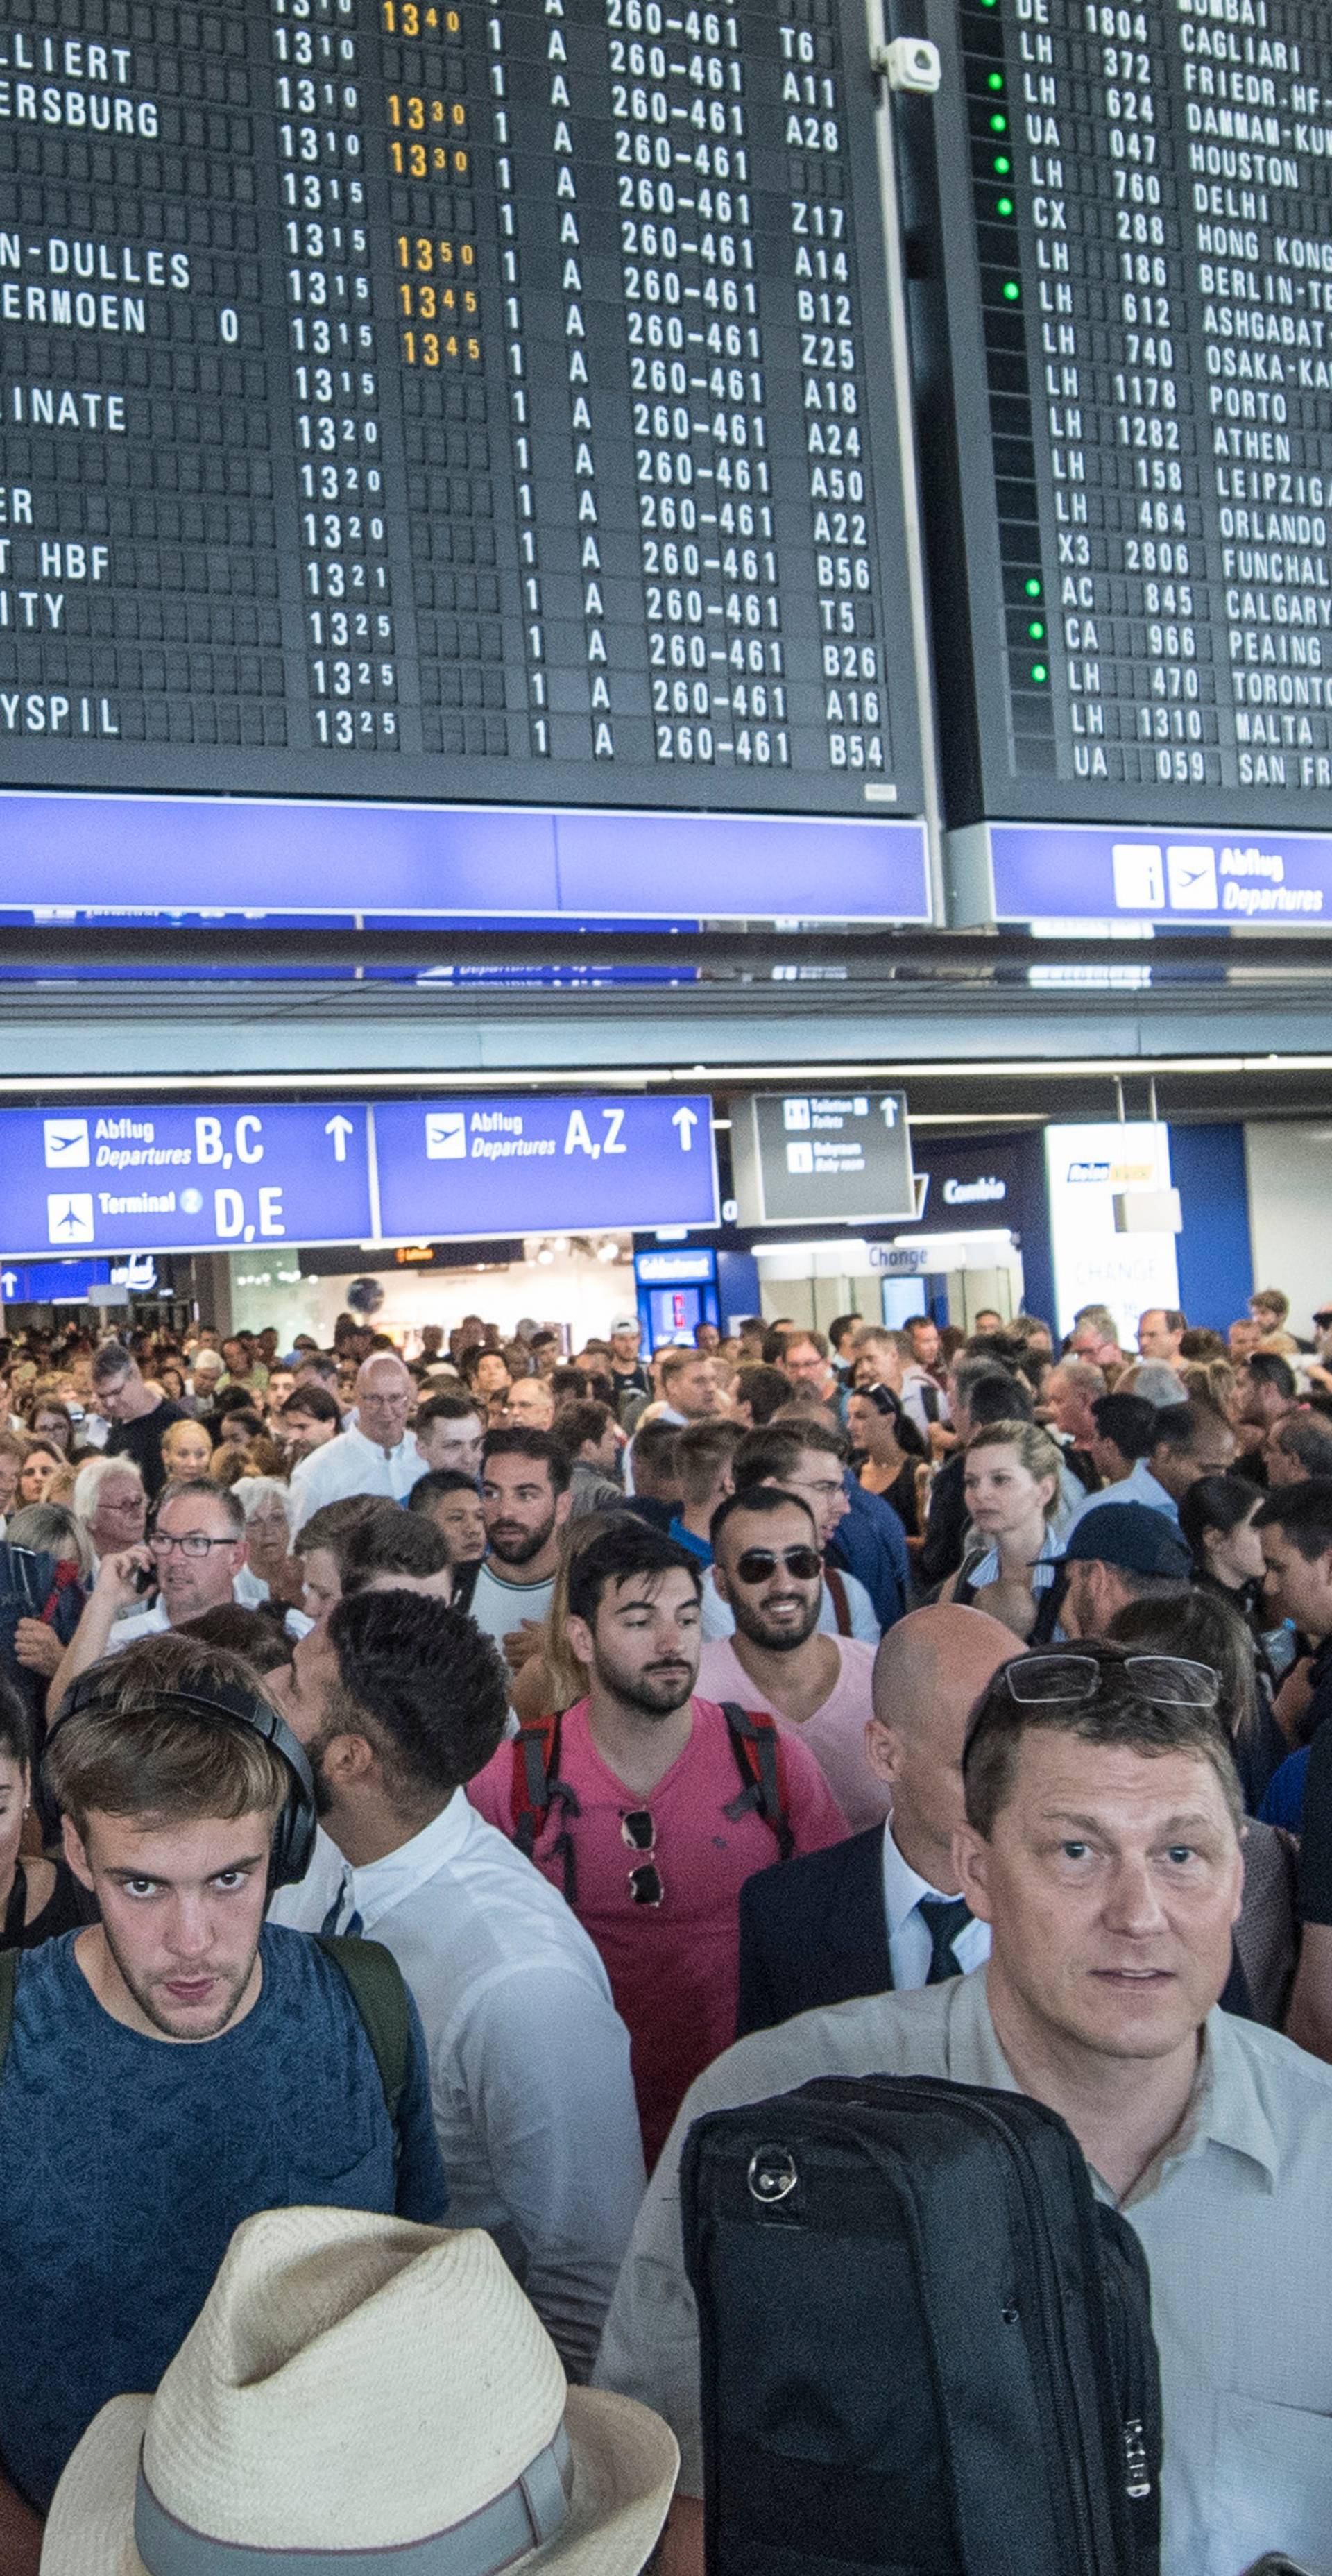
(1179, 1443)
(1103, 1848)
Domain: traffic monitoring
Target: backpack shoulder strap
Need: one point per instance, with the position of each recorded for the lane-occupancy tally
(757, 1745)
(380, 1997)
(840, 1603)
(536, 1788)
(9, 1960)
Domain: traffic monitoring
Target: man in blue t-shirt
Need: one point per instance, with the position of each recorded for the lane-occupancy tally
(170, 2070)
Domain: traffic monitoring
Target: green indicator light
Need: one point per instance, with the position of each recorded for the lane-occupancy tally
(1036, 631)
(988, 4)
(1004, 206)
(998, 125)
(1033, 588)
(1002, 165)
(1039, 674)
(995, 81)
(1011, 291)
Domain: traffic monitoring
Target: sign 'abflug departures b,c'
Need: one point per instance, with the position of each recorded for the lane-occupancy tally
(115, 1178)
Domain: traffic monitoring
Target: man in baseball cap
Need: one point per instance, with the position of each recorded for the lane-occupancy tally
(1119, 1552)
(627, 1369)
(360, 2387)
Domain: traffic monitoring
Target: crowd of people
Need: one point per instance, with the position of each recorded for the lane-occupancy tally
(488, 1756)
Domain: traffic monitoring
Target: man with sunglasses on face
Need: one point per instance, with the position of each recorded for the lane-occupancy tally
(767, 1566)
(1102, 1846)
(649, 1817)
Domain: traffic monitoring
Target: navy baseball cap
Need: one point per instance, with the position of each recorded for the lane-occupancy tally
(1130, 1535)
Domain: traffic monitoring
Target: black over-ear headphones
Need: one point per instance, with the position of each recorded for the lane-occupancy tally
(294, 1832)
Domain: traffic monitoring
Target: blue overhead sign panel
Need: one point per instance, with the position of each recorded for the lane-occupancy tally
(450, 1170)
(113, 1179)
(1133, 873)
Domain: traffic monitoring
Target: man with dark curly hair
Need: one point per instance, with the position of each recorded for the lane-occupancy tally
(399, 1701)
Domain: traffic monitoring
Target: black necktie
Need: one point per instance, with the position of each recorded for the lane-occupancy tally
(943, 1918)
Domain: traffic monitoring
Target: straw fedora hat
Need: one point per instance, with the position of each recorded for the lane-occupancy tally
(363, 2397)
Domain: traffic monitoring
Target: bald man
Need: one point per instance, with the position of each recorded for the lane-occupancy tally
(374, 1453)
(882, 1912)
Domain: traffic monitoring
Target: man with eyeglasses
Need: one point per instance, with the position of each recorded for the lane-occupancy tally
(767, 1567)
(375, 1454)
(1102, 1846)
(649, 1814)
(195, 1552)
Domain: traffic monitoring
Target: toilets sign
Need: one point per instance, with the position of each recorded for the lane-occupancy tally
(841, 1156)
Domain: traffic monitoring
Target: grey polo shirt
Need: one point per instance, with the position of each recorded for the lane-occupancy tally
(1233, 2217)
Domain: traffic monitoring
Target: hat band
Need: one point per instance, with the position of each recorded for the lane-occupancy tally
(526, 2515)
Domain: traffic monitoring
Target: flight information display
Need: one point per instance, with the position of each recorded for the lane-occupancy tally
(421, 399)
(1136, 247)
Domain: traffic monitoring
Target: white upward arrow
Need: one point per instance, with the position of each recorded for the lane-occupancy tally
(686, 1120)
(339, 1128)
(9, 1282)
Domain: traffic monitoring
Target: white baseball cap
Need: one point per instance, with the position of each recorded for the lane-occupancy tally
(357, 2385)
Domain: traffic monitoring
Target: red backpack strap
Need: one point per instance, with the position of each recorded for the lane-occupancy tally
(66, 1576)
(535, 1751)
(840, 1603)
(760, 1756)
(536, 1788)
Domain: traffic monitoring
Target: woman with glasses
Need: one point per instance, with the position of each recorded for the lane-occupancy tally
(1011, 1487)
(270, 1572)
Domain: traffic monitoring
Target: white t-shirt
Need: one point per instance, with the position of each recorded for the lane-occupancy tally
(499, 1607)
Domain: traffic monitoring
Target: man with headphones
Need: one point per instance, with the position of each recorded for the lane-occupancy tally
(180, 2065)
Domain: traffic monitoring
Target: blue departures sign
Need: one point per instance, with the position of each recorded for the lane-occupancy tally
(114, 1178)
(530, 1166)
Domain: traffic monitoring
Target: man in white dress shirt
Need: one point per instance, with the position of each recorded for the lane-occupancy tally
(399, 1700)
(375, 1454)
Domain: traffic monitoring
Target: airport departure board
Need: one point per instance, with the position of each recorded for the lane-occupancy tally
(1134, 234)
(411, 400)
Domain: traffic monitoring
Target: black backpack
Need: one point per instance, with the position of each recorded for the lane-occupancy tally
(926, 2348)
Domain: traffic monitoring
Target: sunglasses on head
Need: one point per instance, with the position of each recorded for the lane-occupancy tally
(1164, 1681)
(758, 1563)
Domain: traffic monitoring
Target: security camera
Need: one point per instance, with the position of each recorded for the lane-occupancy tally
(911, 63)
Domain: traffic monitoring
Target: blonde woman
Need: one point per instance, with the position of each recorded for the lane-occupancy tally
(553, 1679)
(1011, 1483)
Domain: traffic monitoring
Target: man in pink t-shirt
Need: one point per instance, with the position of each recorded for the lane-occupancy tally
(767, 1565)
(654, 1818)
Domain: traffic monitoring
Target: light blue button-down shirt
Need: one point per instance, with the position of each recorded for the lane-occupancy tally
(1139, 1487)
(1233, 2218)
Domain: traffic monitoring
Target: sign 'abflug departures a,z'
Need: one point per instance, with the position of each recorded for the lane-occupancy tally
(1131, 319)
(116, 1178)
(461, 1168)
(402, 400)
